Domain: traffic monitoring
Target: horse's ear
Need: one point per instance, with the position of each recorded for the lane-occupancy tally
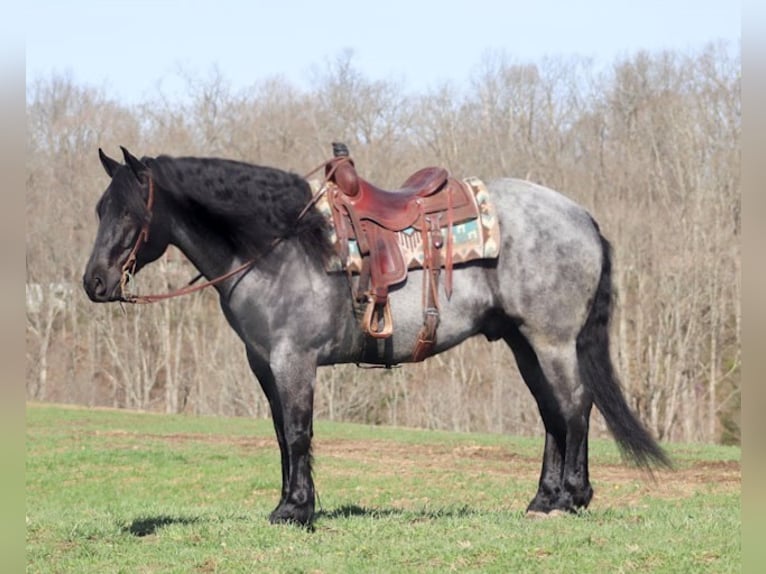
(110, 165)
(135, 164)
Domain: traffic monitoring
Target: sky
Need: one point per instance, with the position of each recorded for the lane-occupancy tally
(135, 50)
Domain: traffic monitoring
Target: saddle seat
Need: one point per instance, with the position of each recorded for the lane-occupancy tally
(427, 191)
(393, 209)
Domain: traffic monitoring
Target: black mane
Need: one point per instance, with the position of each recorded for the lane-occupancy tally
(250, 205)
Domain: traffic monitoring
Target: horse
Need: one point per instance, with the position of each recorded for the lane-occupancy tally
(548, 295)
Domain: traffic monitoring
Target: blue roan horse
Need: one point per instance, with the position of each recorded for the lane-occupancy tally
(548, 295)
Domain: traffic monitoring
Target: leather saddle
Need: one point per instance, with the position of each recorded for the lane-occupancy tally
(428, 203)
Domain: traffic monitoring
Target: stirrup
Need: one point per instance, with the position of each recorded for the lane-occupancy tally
(372, 318)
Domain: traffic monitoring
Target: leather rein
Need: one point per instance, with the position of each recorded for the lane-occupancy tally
(129, 267)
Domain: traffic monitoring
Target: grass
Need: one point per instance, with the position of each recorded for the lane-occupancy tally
(117, 491)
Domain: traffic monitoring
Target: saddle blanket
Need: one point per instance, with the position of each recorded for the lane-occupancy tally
(472, 239)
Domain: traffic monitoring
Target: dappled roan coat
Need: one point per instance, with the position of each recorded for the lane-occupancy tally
(548, 296)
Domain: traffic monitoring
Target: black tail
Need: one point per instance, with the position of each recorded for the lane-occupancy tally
(598, 376)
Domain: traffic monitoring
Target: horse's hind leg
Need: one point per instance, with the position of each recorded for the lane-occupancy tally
(551, 373)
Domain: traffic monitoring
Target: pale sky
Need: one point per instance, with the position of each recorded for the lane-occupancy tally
(132, 49)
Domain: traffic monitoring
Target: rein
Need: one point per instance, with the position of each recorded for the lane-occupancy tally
(129, 267)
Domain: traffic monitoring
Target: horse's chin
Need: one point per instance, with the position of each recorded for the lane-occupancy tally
(115, 295)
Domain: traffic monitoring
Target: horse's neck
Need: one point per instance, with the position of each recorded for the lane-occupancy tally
(208, 252)
(214, 257)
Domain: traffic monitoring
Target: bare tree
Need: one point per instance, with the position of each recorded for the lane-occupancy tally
(650, 146)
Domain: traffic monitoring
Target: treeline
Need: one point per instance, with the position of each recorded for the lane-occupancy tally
(650, 146)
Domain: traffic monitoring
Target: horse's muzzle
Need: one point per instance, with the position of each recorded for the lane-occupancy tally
(99, 289)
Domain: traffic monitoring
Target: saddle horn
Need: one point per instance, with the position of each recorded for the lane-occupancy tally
(339, 149)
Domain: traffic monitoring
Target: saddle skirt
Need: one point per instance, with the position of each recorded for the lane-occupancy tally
(472, 237)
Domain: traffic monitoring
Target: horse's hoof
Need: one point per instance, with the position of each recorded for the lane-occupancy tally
(289, 514)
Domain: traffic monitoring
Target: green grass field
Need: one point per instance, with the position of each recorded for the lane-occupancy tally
(117, 491)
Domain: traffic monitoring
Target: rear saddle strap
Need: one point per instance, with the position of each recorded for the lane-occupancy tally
(427, 201)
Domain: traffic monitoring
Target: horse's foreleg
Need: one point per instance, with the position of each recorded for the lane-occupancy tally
(279, 429)
(294, 382)
(279, 403)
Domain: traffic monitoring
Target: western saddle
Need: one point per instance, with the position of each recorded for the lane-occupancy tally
(429, 203)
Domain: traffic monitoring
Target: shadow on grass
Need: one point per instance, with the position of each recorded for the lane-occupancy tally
(352, 510)
(149, 525)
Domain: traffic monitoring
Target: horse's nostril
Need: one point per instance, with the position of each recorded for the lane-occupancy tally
(94, 285)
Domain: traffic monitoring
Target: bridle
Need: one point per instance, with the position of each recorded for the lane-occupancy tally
(129, 267)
